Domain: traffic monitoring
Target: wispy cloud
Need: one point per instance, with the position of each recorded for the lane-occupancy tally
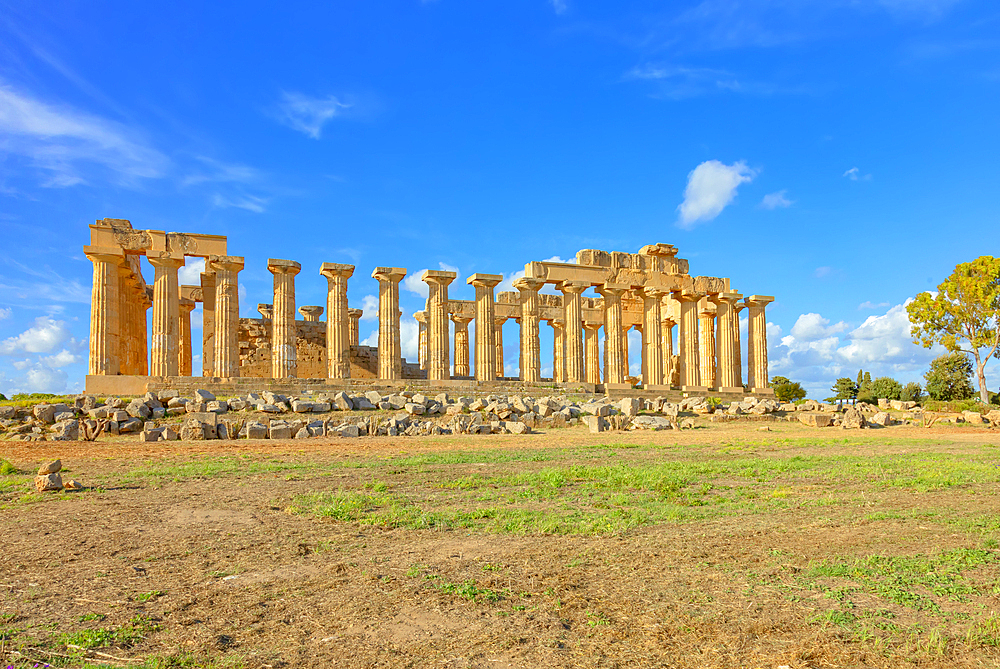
(210, 170)
(854, 174)
(823, 272)
(872, 305)
(777, 200)
(248, 202)
(560, 6)
(308, 114)
(711, 187)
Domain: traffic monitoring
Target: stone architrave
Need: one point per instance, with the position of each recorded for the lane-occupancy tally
(354, 327)
(284, 334)
(615, 351)
(757, 345)
(421, 318)
(390, 364)
(185, 355)
(727, 341)
(707, 345)
(461, 344)
(652, 335)
(498, 333)
(690, 364)
(227, 314)
(592, 347)
(438, 340)
(485, 361)
(207, 323)
(531, 358)
(166, 315)
(558, 350)
(573, 332)
(311, 313)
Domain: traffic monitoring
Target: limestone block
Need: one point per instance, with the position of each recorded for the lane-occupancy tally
(993, 416)
(217, 406)
(414, 409)
(129, 426)
(516, 427)
(650, 423)
(149, 435)
(66, 430)
(629, 406)
(48, 483)
(203, 396)
(45, 413)
(302, 406)
(881, 418)
(595, 423)
(176, 411)
(115, 403)
(196, 407)
(98, 413)
(159, 412)
(973, 417)
(343, 402)
(374, 397)
(151, 400)
(350, 431)
(138, 409)
(787, 407)
(280, 430)
(256, 430)
(192, 431)
(73, 484)
(52, 467)
(175, 402)
(169, 434)
(396, 402)
(237, 404)
(268, 408)
(303, 433)
(883, 404)
(815, 418)
(167, 395)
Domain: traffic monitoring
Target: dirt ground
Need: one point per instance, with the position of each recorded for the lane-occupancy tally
(203, 566)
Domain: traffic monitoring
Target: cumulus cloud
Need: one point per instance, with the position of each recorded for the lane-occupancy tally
(61, 359)
(414, 282)
(190, 274)
(822, 272)
(4, 313)
(308, 114)
(42, 337)
(777, 200)
(711, 187)
(812, 327)
(872, 305)
(369, 303)
(40, 379)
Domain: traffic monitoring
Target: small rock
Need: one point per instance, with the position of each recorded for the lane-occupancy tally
(203, 396)
(48, 482)
(73, 484)
(50, 468)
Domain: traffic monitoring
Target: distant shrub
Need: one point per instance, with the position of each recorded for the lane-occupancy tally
(887, 388)
(912, 392)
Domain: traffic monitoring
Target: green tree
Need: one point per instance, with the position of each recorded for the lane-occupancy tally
(865, 393)
(845, 389)
(964, 315)
(912, 392)
(886, 387)
(949, 377)
(787, 390)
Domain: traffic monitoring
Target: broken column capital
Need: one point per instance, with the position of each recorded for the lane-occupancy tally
(420, 316)
(266, 311)
(332, 269)
(311, 313)
(612, 289)
(278, 266)
(223, 263)
(390, 274)
(573, 287)
(528, 284)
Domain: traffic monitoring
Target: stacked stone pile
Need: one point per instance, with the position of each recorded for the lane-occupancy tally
(50, 480)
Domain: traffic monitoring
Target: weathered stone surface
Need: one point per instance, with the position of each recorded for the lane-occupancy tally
(516, 427)
(129, 426)
(815, 418)
(167, 395)
(66, 430)
(45, 413)
(650, 423)
(203, 396)
(853, 419)
(237, 404)
(73, 484)
(52, 467)
(175, 402)
(48, 482)
(973, 417)
(414, 409)
(882, 419)
(280, 430)
(595, 423)
(217, 406)
(256, 430)
(343, 402)
(350, 430)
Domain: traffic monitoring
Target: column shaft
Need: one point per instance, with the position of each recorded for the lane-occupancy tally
(593, 352)
(757, 344)
(652, 336)
(166, 316)
(185, 355)
(485, 361)
(226, 356)
(461, 345)
(338, 320)
(737, 344)
(615, 351)
(498, 333)
(390, 364)
(531, 359)
(284, 332)
(354, 327)
(558, 351)
(707, 348)
(690, 364)
(104, 308)
(208, 324)
(572, 313)
(439, 343)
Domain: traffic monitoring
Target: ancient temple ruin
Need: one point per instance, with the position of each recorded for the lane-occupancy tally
(650, 291)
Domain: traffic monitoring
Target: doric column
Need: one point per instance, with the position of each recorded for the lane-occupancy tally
(145, 303)
(593, 352)
(531, 358)
(667, 322)
(266, 311)
(498, 322)
(573, 315)
(390, 364)
(105, 304)
(558, 350)
(486, 350)
(207, 323)
(615, 352)
(652, 336)
(439, 343)
(690, 365)
(461, 344)
(184, 353)
(311, 313)
(166, 315)
(126, 326)
(421, 318)
(726, 341)
(227, 315)
(738, 346)
(707, 345)
(284, 358)
(757, 344)
(354, 327)
(625, 352)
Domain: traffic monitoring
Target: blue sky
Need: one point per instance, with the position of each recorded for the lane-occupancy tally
(839, 155)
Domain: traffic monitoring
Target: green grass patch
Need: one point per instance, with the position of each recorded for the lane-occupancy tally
(124, 636)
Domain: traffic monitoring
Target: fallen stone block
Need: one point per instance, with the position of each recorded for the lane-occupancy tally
(815, 418)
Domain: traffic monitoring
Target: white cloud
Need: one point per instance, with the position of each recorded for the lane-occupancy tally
(45, 335)
(369, 303)
(371, 339)
(40, 379)
(61, 359)
(409, 338)
(67, 144)
(219, 172)
(777, 200)
(507, 285)
(872, 305)
(307, 114)
(190, 274)
(560, 6)
(711, 187)
(822, 272)
(413, 283)
(854, 174)
(571, 261)
(812, 327)
(4, 313)
(248, 202)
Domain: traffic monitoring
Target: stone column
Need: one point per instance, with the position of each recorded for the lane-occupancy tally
(207, 324)
(390, 364)
(421, 318)
(126, 325)
(667, 322)
(615, 346)
(498, 322)
(690, 365)
(311, 314)
(166, 315)
(652, 336)
(284, 358)
(227, 315)
(486, 350)
(354, 327)
(105, 304)
(145, 303)
(625, 347)
(707, 345)
(531, 357)
(738, 346)
(757, 345)
(572, 313)
(726, 341)
(185, 355)
(439, 342)
(558, 351)
(593, 352)
(461, 344)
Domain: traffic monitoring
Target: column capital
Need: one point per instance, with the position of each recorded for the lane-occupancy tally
(420, 316)
(332, 269)
(459, 319)
(668, 320)
(708, 311)
(688, 295)
(266, 311)
(166, 261)
(311, 312)
(389, 274)
(224, 263)
(355, 313)
(557, 323)
(758, 300)
(104, 254)
(612, 289)
(439, 277)
(573, 286)
(484, 280)
(728, 298)
(499, 320)
(278, 266)
(592, 326)
(186, 306)
(655, 292)
(528, 284)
